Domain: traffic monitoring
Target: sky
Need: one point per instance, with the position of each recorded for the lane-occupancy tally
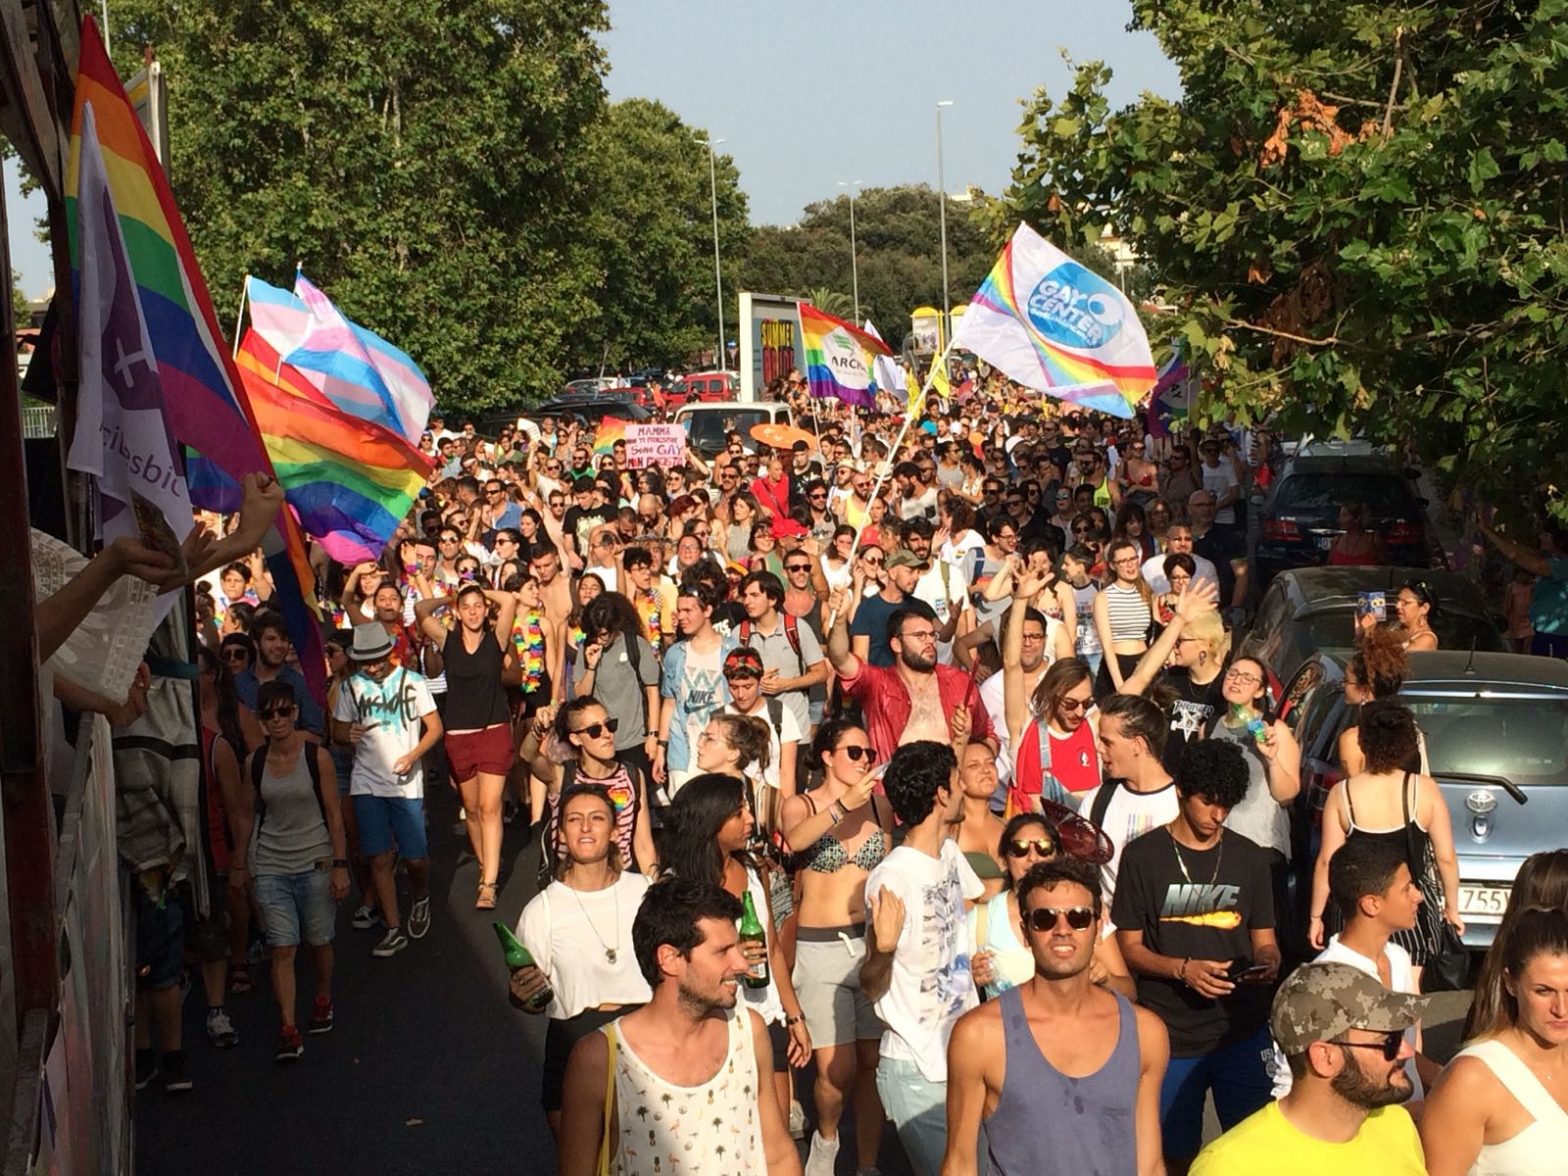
(814, 92)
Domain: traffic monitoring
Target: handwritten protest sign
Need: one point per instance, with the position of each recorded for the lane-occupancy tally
(655, 445)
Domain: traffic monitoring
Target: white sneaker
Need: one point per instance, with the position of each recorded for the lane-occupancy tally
(797, 1120)
(823, 1152)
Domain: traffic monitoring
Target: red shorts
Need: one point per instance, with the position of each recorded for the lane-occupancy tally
(489, 751)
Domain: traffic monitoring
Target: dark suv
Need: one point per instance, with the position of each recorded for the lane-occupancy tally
(1300, 518)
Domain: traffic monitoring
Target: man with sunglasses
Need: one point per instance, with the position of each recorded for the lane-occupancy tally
(1057, 1040)
(1344, 1037)
(1194, 915)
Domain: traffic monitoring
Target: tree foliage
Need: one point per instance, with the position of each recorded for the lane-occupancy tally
(1355, 213)
(430, 164)
(898, 240)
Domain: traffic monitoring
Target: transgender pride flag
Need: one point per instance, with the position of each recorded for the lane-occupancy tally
(357, 370)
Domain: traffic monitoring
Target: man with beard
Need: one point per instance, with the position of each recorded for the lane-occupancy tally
(1194, 914)
(685, 1068)
(1344, 1038)
(915, 699)
(1057, 1040)
(272, 664)
(942, 586)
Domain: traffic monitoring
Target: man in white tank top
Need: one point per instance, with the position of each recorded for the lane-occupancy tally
(673, 1087)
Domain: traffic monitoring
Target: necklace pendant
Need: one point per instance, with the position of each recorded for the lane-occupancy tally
(609, 954)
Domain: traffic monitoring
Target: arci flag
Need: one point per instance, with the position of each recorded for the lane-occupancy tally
(886, 372)
(122, 437)
(1058, 328)
(837, 357)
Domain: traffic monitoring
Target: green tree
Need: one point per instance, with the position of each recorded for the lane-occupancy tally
(429, 164)
(651, 232)
(1354, 214)
(898, 242)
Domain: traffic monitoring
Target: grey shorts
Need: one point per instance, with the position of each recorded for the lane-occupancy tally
(827, 984)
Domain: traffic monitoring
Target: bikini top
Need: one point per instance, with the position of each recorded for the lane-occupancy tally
(827, 856)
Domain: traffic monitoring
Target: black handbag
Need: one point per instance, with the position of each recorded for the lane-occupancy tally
(1448, 966)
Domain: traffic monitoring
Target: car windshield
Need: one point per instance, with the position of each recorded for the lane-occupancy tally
(1335, 627)
(1521, 739)
(1320, 495)
(706, 429)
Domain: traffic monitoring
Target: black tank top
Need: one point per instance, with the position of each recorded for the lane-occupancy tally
(475, 698)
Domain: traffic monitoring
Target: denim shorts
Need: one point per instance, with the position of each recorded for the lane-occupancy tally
(383, 819)
(295, 903)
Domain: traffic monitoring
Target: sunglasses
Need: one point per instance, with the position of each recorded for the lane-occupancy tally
(1046, 918)
(1043, 846)
(869, 754)
(1075, 704)
(235, 655)
(276, 712)
(594, 730)
(1389, 1046)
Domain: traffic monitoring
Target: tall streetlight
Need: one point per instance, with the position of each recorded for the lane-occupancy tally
(941, 191)
(718, 278)
(854, 260)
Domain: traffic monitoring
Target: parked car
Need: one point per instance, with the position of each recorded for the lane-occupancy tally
(705, 387)
(591, 410)
(1495, 728)
(708, 424)
(1308, 609)
(1300, 517)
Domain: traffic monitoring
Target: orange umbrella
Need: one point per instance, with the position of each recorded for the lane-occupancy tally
(777, 436)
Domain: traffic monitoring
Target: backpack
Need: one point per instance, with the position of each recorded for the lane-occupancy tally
(1102, 802)
(258, 766)
(791, 633)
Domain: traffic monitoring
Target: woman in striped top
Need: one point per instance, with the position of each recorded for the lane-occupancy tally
(1123, 613)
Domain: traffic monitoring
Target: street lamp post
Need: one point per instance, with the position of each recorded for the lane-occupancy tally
(941, 191)
(854, 259)
(718, 276)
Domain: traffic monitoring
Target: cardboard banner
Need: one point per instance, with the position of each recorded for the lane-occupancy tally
(655, 445)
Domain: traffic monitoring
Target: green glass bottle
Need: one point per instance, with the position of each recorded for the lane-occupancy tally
(751, 932)
(518, 956)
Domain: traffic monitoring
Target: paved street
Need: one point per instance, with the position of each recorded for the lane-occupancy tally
(428, 1069)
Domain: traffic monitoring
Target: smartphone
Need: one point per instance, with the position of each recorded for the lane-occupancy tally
(1241, 970)
(1373, 604)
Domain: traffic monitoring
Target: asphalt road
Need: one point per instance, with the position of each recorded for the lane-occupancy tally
(427, 1069)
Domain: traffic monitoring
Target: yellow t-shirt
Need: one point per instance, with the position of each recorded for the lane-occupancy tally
(1387, 1145)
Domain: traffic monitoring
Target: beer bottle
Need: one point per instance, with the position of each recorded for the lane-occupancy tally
(751, 932)
(518, 956)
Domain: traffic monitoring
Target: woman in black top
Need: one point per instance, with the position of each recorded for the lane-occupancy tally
(478, 720)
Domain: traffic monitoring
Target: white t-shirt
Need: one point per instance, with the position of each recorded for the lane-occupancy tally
(1403, 979)
(393, 708)
(788, 731)
(1217, 481)
(931, 986)
(945, 596)
(1154, 572)
(1130, 814)
(567, 931)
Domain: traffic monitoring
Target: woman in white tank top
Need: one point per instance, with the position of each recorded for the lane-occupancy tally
(1501, 1107)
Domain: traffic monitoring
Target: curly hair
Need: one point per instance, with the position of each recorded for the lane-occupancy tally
(1060, 869)
(1380, 663)
(915, 774)
(1215, 770)
(1387, 734)
(669, 914)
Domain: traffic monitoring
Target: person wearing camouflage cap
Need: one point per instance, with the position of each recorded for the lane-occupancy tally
(1343, 1036)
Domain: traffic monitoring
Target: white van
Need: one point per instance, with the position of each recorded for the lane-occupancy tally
(707, 423)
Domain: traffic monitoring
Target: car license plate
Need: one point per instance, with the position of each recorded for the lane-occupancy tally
(1483, 902)
(1324, 542)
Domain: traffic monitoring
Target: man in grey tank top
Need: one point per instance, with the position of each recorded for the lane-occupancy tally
(1058, 1067)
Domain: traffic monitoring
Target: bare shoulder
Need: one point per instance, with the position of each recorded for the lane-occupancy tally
(592, 1051)
(979, 1025)
(1152, 1036)
(1467, 1079)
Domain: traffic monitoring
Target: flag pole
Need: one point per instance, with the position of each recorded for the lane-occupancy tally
(239, 319)
(916, 404)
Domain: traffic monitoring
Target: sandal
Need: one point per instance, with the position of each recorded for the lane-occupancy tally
(486, 899)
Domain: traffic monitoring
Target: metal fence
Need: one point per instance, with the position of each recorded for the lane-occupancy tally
(38, 421)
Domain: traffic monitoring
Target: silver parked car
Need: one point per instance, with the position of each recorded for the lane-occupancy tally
(1496, 733)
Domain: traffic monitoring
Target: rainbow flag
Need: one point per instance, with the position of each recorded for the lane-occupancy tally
(202, 399)
(1056, 327)
(836, 357)
(355, 368)
(350, 481)
(610, 430)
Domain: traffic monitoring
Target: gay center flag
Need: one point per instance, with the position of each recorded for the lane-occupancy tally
(837, 367)
(1059, 328)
